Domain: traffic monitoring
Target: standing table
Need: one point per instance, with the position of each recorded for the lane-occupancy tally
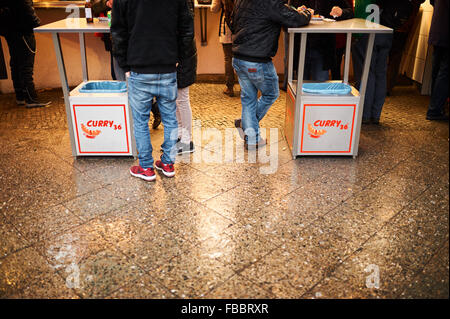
(99, 124)
(319, 124)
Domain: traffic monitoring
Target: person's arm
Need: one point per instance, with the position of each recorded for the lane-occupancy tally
(185, 30)
(343, 10)
(30, 13)
(119, 34)
(216, 5)
(286, 16)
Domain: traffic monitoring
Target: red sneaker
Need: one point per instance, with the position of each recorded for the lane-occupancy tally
(167, 169)
(146, 174)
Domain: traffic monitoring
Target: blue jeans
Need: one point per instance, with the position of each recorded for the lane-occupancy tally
(254, 77)
(377, 82)
(141, 90)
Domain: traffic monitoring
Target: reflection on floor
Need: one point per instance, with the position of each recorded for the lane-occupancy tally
(317, 227)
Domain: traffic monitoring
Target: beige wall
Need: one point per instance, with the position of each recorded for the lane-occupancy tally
(210, 57)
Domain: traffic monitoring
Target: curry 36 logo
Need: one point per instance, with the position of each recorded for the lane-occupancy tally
(92, 133)
(314, 133)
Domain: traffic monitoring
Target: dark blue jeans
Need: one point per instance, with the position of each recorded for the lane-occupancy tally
(22, 51)
(142, 88)
(439, 84)
(254, 77)
(377, 81)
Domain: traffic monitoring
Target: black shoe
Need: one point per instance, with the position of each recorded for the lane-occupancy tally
(238, 125)
(375, 121)
(21, 102)
(186, 148)
(442, 117)
(35, 102)
(366, 121)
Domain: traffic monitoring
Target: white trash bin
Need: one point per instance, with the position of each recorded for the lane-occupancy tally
(101, 119)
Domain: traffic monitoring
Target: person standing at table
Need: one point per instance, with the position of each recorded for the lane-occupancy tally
(320, 48)
(256, 27)
(439, 39)
(186, 76)
(377, 81)
(117, 73)
(226, 7)
(17, 21)
(149, 39)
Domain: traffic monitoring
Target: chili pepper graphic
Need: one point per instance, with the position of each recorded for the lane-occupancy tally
(90, 133)
(314, 133)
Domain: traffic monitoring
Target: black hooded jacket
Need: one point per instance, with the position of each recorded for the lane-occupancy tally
(17, 16)
(256, 27)
(151, 36)
(187, 68)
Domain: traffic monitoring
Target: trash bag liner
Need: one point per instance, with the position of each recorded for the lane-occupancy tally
(327, 88)
(104, 87)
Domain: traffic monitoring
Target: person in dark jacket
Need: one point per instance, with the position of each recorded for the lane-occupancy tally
(101, 8)
(186, 76)
(256, 27)
(321, 48)
(17, 21)
(149, 39)
(376, 89)
(438, 37)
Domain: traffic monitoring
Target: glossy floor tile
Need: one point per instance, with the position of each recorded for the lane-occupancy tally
(231, 223)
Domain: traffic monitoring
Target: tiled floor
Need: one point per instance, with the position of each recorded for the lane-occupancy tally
(318, 227)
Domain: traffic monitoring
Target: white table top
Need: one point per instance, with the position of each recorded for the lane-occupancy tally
(71, 25)
(345, 26)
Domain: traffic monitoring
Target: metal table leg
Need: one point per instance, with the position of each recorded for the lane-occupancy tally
(298, 94)
(65, 88)
(83, 57)
(363, 87)
(347, 58)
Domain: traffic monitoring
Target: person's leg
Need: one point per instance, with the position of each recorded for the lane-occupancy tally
(29, 52)
(141, 89)
(184, 115)
(358, 56)
(229, 71)
(113, 73)
(166, 98)
(336, 69)
(317, 67)
(384, 43)
(439, 93)
(370, 88)
(248, 72)
(16, 53)
(269, 90)
(395, 58)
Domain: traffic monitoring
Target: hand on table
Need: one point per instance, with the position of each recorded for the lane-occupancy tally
(304, 8)
(336, 12)
(109, 3)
